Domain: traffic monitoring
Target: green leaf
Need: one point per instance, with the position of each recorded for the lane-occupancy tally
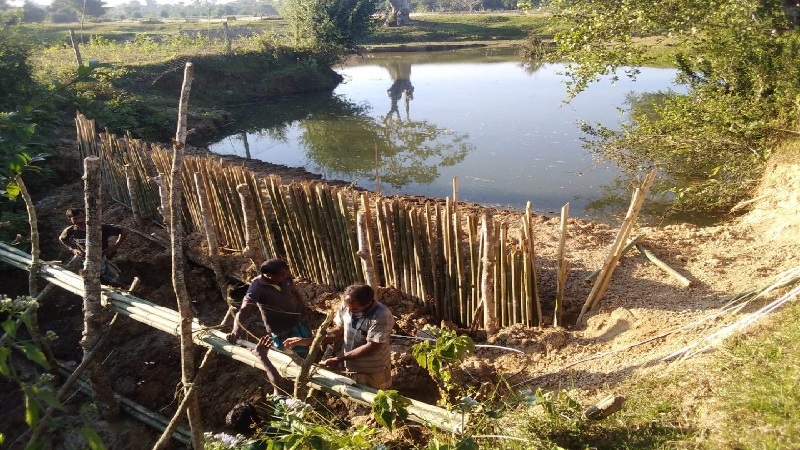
(5, 370)
(92, 439)
(10, 327)
(34, 354)
(31, 409)
(47, 396)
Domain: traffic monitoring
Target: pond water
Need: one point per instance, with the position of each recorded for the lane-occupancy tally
(410, 122)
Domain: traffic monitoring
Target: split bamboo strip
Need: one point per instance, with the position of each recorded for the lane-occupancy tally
(663, 266)
(487, 281)
(514, 287)
(450, 291)
(562, 267)
(474, 257)
(420, 274)
(616, 249)
(498, 262)
(534, 277)
(502, 266)
(343, 228)
(264, 217)
(461, 276)
(391, 235)
(326, 233)
(364, 251)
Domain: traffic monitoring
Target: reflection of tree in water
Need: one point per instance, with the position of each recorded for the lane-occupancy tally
(345, 138)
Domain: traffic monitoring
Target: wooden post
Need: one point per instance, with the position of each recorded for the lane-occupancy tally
(178, 282)
(227, 38)
(487, 279)
(75, 48)
(377, 172)
(93, 323)
(562, 267)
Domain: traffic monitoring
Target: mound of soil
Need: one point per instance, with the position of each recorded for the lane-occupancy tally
(644, 315)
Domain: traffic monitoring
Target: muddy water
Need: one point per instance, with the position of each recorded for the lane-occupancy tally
(409, 123)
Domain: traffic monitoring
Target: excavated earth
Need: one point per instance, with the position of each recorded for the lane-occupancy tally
(644, 315)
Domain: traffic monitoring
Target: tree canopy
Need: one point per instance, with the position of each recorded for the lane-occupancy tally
(738, 61)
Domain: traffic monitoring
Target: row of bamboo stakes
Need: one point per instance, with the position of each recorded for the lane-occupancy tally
(433, 253)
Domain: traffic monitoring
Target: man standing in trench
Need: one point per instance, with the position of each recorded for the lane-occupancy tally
(283, 311)
(74, 238)
(365, 326)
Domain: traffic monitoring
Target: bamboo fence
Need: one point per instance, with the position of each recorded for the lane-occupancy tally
(431, 252)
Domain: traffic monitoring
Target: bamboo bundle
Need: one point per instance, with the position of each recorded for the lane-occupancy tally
(265, 215)
(533, 303)
(461, 278)
(142, 171)
(112, 157)
(325, 233)
(289, 240)
(421, 272)
(87, 138)
(450, 292)
(343, 239)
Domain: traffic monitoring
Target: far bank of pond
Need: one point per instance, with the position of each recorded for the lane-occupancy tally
(408, 123)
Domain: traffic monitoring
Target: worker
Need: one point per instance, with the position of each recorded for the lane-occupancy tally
(364, 325)
(282, 309)
(74, 238)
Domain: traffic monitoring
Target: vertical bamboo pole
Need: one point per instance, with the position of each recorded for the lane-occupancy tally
(434, 258)
(370, 236)
(178, 282)
(93, 323)
(502, 266)
(562, 267)
(487, 280)
(133, 194)
(365, 251)
(33, 273)
(251, 249)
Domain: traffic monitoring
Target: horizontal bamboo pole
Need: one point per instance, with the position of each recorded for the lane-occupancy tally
(168, 320)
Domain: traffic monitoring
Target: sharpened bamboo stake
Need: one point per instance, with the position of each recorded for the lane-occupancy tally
(562, 267)
(487, 283)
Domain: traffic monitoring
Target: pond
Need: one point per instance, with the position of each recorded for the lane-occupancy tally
(408, 123)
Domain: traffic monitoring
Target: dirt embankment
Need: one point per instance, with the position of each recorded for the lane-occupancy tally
(619, 341)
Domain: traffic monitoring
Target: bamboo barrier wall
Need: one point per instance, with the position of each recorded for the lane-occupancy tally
(430, 252)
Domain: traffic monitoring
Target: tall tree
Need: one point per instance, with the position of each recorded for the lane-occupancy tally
(334, 26)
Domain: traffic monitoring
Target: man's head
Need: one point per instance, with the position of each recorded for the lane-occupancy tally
(242, 418)
(358, 298)
(76, 216)
(276, 271)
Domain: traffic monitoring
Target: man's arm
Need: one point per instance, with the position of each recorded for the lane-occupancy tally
(358, 352)
(334, 334)
(122, 235)
(279, 384)
(67, 241)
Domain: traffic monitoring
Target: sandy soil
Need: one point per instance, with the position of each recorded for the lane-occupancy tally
(644, 315)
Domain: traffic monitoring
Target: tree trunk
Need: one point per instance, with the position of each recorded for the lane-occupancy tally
(178, 282)
(92, 310)
(33, 274)
(399, 13)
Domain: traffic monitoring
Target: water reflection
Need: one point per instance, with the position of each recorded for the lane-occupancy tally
(497, 123)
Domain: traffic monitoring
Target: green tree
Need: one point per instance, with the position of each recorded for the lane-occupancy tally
(78, 8)
(31, 13)
(333, 26)
(738, 61)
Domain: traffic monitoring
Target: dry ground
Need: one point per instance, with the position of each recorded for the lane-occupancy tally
(618, 342)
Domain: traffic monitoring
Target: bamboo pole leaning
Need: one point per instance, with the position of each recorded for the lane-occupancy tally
(663, 266)
(615, 253)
